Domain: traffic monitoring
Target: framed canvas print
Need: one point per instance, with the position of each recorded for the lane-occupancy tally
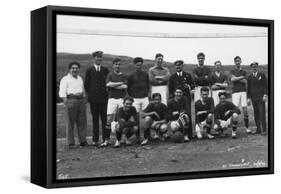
(124, 96)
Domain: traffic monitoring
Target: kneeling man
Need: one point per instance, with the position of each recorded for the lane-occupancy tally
(178, 109)
(155, 118)
(226, 115)
(204, 110)
(126, 121)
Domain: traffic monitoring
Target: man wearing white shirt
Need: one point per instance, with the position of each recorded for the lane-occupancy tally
(73, 95)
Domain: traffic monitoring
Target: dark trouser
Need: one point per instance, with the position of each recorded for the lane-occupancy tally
(76, 114)
(98, 110)
(259, 113)
(188, 130)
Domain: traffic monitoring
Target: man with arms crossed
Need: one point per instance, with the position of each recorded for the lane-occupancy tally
(72, 93)
(201, 76)
(239, 93)
(138, 88)
(95, 86)
(178, 109)
(155, 118)
(226, 115)
(117, 84)
(184, 80)
(159, 77)
(218, 81)
(257, 94)
(126, 122)
(204, 110)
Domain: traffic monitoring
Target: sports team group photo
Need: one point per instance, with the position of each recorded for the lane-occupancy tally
(138, 97)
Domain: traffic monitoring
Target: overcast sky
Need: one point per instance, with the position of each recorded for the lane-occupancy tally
(224, 49)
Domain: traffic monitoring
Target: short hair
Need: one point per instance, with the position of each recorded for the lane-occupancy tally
(222, 94)
(178, 88)
(115, 60)
(218, 61)
(154, 95)
(138, 59)
(128, 98)
(204, 89)
(97, 54)
(180, 62)
(237, 57)
(200, 54)
(158, 55)
(73, 63)
(254, 63)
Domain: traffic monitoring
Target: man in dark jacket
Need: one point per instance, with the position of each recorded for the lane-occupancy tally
(95, 87)
(184, 80)
(257, 93)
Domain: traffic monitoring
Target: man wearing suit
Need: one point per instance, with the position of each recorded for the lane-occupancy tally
(184, 80)
(257, 94)
(95, 87)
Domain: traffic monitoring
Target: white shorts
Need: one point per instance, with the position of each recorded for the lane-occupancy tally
(140, 103)
(113, 104)
(224, 124)
(163, 90)
(215, 95)
(197, 93)
(239, 97)
(200, 126)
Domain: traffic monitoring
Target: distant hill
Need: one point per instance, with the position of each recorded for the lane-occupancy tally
(63, 59)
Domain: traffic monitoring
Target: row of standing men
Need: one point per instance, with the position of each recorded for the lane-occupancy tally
(105, 92)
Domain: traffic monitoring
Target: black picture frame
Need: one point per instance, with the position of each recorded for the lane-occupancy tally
(43, 95)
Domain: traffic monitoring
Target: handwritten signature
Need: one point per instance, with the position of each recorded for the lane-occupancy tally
(63, 176)
(243, 164)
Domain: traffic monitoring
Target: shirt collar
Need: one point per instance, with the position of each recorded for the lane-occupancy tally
(70, 76)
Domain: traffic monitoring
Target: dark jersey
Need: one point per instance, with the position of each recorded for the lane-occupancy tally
(206, 106)
(238, 86)
(214, 78)
(177, 106)
(126, 115)
(221, 109)
(160, 109)
(199, 76)
(138, 84)
(116, 93)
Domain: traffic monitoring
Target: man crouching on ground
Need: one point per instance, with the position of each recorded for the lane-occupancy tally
(155, 118)
(226, 115)
(126, 121)
(204, 110)
(178, 112)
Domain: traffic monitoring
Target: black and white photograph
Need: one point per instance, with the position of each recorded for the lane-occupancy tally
(144, 97)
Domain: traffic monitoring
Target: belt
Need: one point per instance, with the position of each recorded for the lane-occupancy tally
(76, 97)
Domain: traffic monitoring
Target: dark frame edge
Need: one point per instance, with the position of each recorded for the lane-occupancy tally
(47, 179)
(38, 97)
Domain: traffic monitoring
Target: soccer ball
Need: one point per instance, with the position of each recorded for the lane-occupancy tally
(177, 137)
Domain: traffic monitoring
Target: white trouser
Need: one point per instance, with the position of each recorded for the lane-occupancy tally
(140, 103)
(163, 90)
(215, 95)
(239, 97)
(113, 104)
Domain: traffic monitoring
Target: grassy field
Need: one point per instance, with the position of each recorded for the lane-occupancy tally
(247, 151)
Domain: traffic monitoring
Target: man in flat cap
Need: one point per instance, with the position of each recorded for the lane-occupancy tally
(257, 94)
(184, 80)
(159, 77)
(95, 87)
(138, 88)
